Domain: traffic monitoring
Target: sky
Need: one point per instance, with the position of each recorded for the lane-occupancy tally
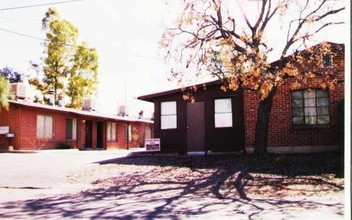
(126, 35)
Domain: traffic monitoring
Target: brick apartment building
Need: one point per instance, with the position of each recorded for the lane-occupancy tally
(301, 120)
(38, 126)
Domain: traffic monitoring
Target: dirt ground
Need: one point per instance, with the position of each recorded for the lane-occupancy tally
(177, 187)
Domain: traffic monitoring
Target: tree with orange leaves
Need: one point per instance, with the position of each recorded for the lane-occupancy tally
(223, 40)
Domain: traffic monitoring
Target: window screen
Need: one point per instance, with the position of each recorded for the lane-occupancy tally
(45, 127)
(223, 113)
(71, 129)
(111, 131)
(168, 115)
(310, 107)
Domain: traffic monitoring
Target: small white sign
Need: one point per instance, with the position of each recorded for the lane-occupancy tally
(4, 129)
(10, 135)
(152, 144)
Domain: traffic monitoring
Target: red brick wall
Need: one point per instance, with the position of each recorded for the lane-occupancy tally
(23, 123)
(120, 143)
(137, 138)
(28, 131)
(81, 133)
(283, 133)
(281, 130)
(10, 118)
(250, 104)
(138, 134)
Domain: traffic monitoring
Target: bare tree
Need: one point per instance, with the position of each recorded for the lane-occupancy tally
(230, 40)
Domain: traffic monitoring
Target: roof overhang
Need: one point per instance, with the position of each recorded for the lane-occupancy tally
(81, 113)
(151, 97)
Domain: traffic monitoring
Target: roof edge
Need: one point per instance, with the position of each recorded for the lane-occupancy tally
(79, 112)
(152, 96)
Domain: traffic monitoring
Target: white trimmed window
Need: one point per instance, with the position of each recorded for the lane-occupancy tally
(310, 107)
(223, 113)
(71, 129)
(111, 131)
(45, 127)
(168, 115)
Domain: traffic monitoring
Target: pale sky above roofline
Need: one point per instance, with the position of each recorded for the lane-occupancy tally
(125, 34)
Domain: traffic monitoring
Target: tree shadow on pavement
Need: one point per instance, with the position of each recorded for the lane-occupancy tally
(177, 187)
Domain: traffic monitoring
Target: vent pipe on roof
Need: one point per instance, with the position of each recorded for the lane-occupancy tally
(140, 114)
(89, 104)
(38, 98)
(61, 101)
(51, 98)
(122, 110)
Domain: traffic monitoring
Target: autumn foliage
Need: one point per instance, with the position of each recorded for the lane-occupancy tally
(232, 41)
(211, 40)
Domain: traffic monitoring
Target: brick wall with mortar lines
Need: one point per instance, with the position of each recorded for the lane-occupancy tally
(82, 134)
(138, 134)
(120, 143)
(10, 118)
(29, 129)
(137, 138)
(121, 135)
(23, 123)
(281, 130)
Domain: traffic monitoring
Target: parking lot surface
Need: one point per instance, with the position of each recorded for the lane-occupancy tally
(108, 185)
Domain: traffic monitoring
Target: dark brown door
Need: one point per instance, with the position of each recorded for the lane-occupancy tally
(195, 127)
(100, 134)
(88, 133)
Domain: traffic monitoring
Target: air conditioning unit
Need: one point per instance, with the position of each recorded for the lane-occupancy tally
(19, 90)
(122, 110)
(89, 105)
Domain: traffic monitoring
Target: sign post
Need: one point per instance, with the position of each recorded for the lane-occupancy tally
(4, 129)
(9, 137)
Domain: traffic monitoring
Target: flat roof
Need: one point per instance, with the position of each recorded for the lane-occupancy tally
(79, 112)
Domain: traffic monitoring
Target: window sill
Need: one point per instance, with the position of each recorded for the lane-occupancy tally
(223, 128)
(43, 139)
(314, 126)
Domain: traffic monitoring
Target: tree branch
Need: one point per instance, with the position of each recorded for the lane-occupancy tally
(301, 21)
(268, 16)
(260, 18)
(328, 13)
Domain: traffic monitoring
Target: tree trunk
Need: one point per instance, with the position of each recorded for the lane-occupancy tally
(263, 117)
